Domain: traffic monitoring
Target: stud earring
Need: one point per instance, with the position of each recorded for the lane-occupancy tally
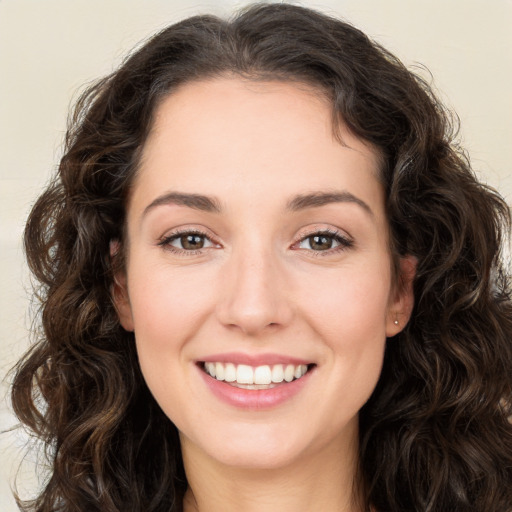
(396, 322)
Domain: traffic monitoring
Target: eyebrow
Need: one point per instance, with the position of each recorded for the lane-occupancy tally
(297, 203)
(317, 199)
(195, 201)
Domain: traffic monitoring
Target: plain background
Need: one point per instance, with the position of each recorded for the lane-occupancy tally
(50, 48)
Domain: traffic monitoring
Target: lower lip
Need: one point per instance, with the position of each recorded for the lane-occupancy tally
(255, 399)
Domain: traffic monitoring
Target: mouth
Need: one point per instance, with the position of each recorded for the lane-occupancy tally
(260, 377)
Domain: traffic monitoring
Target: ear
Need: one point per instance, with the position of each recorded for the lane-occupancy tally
(402, 300)
(119, 291)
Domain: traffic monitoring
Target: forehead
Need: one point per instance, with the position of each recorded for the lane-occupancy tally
(229, 135)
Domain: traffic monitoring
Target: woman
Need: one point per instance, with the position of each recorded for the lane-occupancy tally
(269, 281)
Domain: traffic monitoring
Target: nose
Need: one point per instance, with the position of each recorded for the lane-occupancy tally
(254, 294)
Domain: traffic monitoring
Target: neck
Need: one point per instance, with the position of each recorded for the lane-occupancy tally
(323, 482)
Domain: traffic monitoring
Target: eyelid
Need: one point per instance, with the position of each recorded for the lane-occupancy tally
(165, 240)
(345, 240)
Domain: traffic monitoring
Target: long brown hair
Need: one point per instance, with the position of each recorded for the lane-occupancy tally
(435, 434)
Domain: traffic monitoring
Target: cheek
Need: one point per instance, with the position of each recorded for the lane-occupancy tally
(354, 299)
(166, 304)
(348, 313)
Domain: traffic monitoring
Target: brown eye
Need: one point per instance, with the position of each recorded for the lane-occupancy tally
(191, 242)
(187, 242)
(320, 242)
(324, 241)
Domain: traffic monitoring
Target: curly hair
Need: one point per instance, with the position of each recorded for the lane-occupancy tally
(435, 434)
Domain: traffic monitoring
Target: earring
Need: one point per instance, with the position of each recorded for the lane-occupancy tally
(396, 322)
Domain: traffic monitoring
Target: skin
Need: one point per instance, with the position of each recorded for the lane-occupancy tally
(259, 286)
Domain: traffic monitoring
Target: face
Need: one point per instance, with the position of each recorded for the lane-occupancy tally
(259, 278)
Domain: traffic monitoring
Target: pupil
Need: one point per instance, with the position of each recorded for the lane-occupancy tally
(192, 241)
(320, 242)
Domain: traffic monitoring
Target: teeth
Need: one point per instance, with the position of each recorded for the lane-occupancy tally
(262, 375)
(289, 373)
(258, 376)
(230, 372)
(244, 374)
(219, 371)
(277, 373)
(210, 368)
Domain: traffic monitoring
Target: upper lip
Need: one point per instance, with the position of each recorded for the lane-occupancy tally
(253, 359)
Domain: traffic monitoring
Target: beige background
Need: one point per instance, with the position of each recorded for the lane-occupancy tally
(50, 48)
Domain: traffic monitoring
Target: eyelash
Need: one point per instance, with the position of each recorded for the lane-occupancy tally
(166, 241)
(343, 241)
(336, 236)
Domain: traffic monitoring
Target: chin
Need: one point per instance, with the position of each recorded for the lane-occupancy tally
(256, 459)
(251, 448)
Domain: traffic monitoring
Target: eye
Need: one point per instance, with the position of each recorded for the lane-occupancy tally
(324, 241)
(187, 241)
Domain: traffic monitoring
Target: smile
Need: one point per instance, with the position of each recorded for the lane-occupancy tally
(259, 377)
